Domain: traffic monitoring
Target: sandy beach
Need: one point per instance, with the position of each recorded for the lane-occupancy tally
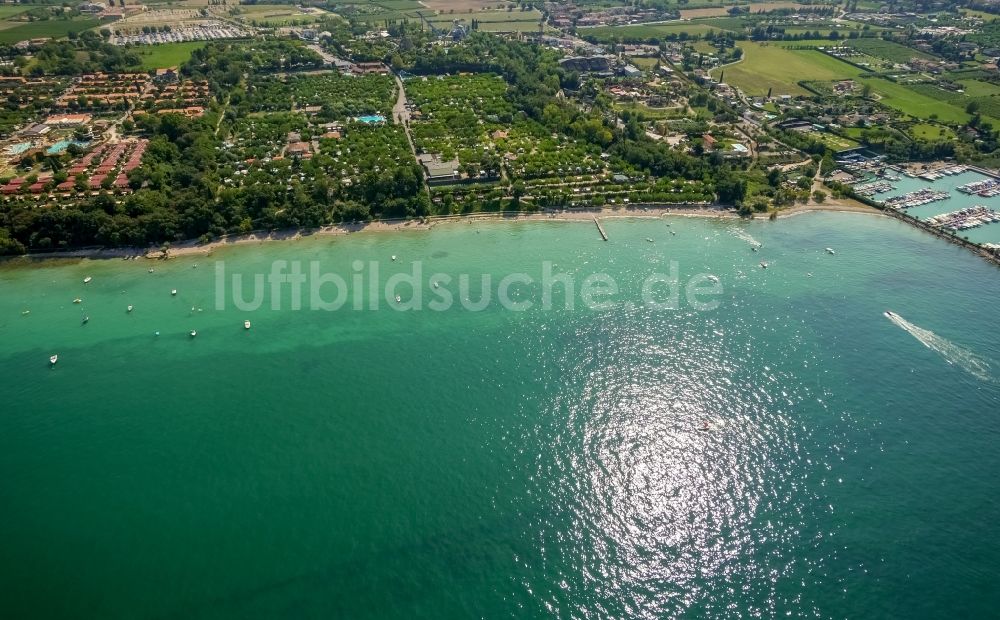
(194, 247)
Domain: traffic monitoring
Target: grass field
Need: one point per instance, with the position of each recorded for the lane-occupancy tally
(837, 143)
(927, 131)
(918, 105)
(644, 32)
(976, 88)
(55, 28)
(10, 11)
(166, 54)
(771, 67)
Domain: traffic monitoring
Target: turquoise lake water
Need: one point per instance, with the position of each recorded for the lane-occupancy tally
(989, 233)
(502, 464)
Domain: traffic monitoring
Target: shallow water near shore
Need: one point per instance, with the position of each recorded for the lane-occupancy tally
(502, 464)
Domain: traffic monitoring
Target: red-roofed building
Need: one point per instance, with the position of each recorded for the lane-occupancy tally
(96, 180)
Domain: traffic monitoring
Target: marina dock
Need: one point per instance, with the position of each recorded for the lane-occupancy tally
(600, 229)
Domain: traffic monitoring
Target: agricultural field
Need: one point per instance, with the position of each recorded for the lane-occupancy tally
(277, 14)
(492, 21)
(166, 54)
(340, 96)
(773, 67)
(977, 88)
(382, 10)
(54, 28)
(465, 5)
(7, 11)
(488, 17)
(893, 52)
(721, 11)
(645, 32)
(916, 104)
(988, 105)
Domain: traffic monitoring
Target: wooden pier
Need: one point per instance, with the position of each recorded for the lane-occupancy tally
(600, 229)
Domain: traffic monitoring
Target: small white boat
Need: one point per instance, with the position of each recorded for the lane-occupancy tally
(150, 270)
(393, 257)
(649, 239)
(436, 285)
(173, 292)
(53, 359)
(193, 333)
(889, 314)
(713, 278)
(85, 320)
(830, 251)
(763, 265)
(246, 324)
(129, 308)
(156, 334)
(87, 280)
(398, 299)
(26, 313)
(78, 301)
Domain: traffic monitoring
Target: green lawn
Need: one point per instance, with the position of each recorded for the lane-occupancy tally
(772, 67)
(55, 28)
(166, 54)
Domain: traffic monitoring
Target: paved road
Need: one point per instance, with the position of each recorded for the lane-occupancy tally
(401, 116)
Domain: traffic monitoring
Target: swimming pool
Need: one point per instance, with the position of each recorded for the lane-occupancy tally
(62, 145)
(17, 149)
(371, 119)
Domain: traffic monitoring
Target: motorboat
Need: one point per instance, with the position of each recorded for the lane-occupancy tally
(173, 292)
(830, 251)
(193, 333)
(53, 359)
(129, 309)
(87, 280)
(78, 301)
(85, 320)
(763, 265)
(889, 314)
(246, 324)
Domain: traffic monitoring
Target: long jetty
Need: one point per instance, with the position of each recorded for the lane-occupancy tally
(600, 229)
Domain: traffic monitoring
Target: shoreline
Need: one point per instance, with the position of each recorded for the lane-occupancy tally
(195, 248)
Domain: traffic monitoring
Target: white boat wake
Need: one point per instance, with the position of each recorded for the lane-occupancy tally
(951, 352)
(745, 236)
